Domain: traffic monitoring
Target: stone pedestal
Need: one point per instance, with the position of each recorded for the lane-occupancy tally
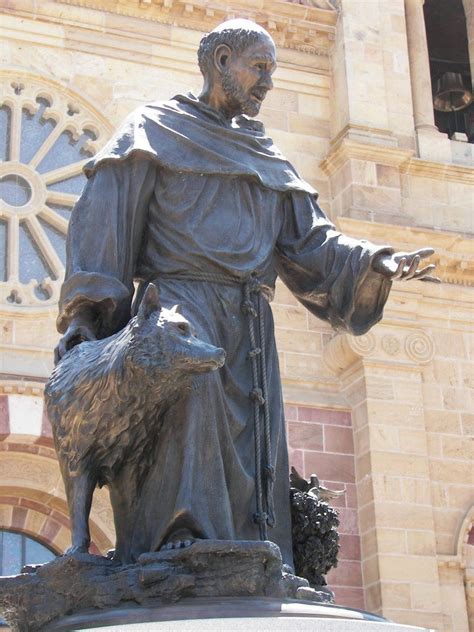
(235, 614)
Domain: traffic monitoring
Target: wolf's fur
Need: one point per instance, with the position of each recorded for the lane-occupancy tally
(105, 400)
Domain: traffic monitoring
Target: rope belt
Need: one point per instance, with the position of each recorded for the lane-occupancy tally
(252, 291)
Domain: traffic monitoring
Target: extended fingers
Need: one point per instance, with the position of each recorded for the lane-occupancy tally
(399, 272)
(412, 268)
(424, 275)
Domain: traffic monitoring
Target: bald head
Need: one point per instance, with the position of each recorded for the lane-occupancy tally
(236, 34)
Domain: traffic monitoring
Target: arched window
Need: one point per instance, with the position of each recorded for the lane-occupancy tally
(46, 136)
(18, 549)
(449, 67)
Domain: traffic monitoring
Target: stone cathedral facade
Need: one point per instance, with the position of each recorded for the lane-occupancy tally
(387, 416)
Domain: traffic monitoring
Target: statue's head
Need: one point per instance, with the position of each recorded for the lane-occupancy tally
(237, 60)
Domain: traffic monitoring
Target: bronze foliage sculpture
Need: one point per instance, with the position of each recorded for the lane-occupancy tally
(314, 526)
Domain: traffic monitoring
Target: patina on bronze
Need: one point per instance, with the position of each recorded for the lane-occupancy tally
(192, 195)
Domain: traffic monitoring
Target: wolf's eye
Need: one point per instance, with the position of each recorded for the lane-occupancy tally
(183, 328)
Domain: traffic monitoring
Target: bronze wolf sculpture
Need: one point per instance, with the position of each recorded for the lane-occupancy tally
(105, 400)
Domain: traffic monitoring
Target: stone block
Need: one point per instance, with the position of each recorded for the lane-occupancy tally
(467, 421)
(305, 436)
(403, 515)
(396, 595)
(379, 388)
(458, 448)
(413, 441)
(366, 520)
(315, 125)
(324, 416)
(416, 490)
(361, 440)
(289, 317)
(434, 146)
(456, 398)
(348, 518)
(408, 568)
(296, 459)
(442, 421)
(425, 596)
(334, 467)
(395, 414)
(303, 342)
(338, 439)
(434, 445)
(349, 596)
(391, 541)
(35, 521)
(363, 172)
(384, 438)
(421, 542)
(370, 571)
(314, 106)
(410, 465)
(303, 366)
(347, 574)
(368, 543)
(350, 547)
(388, 176)
(6, 331)
(462, 153)
(381, 200)
(365, 490)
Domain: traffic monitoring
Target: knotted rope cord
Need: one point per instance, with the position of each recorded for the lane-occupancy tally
(256, 395)
(264, 514)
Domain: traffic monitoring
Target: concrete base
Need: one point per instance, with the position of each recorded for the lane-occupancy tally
(237, 614)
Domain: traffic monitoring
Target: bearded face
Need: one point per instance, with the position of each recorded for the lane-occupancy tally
(240, 99)
(247, 77)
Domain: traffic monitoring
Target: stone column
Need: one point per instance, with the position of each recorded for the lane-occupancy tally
(469, 12)
(381, 377)
(419, 66)
(432, 144)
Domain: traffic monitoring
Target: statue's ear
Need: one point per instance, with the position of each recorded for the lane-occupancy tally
(177, 309)
(150, 302)
(222, 55)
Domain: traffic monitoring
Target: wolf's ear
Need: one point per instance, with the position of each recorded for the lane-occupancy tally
(150, 303)
(177, 309)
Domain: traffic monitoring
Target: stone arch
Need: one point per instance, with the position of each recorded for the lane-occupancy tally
(32, 498)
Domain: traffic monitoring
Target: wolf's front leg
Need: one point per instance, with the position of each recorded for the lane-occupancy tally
(79, 491)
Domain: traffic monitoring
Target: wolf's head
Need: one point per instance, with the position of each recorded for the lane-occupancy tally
(164, 341)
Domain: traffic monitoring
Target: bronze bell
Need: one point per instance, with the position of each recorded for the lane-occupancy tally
(451, 94)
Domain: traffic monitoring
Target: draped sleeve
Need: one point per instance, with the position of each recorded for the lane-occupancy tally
(104, 242)
(329, 273)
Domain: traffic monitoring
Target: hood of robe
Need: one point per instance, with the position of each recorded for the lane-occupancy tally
(186, 135)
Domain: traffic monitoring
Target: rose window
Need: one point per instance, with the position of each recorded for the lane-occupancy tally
(46, 136)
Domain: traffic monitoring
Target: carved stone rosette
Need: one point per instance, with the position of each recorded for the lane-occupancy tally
(46, 136)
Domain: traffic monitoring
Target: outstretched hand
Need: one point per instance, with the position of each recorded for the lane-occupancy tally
(404, 266)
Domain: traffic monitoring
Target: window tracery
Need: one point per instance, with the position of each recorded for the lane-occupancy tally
(45, 139)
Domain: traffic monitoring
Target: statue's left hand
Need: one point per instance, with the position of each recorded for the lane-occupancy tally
(405, 266)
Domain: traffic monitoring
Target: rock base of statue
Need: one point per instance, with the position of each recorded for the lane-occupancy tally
(207, 569)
